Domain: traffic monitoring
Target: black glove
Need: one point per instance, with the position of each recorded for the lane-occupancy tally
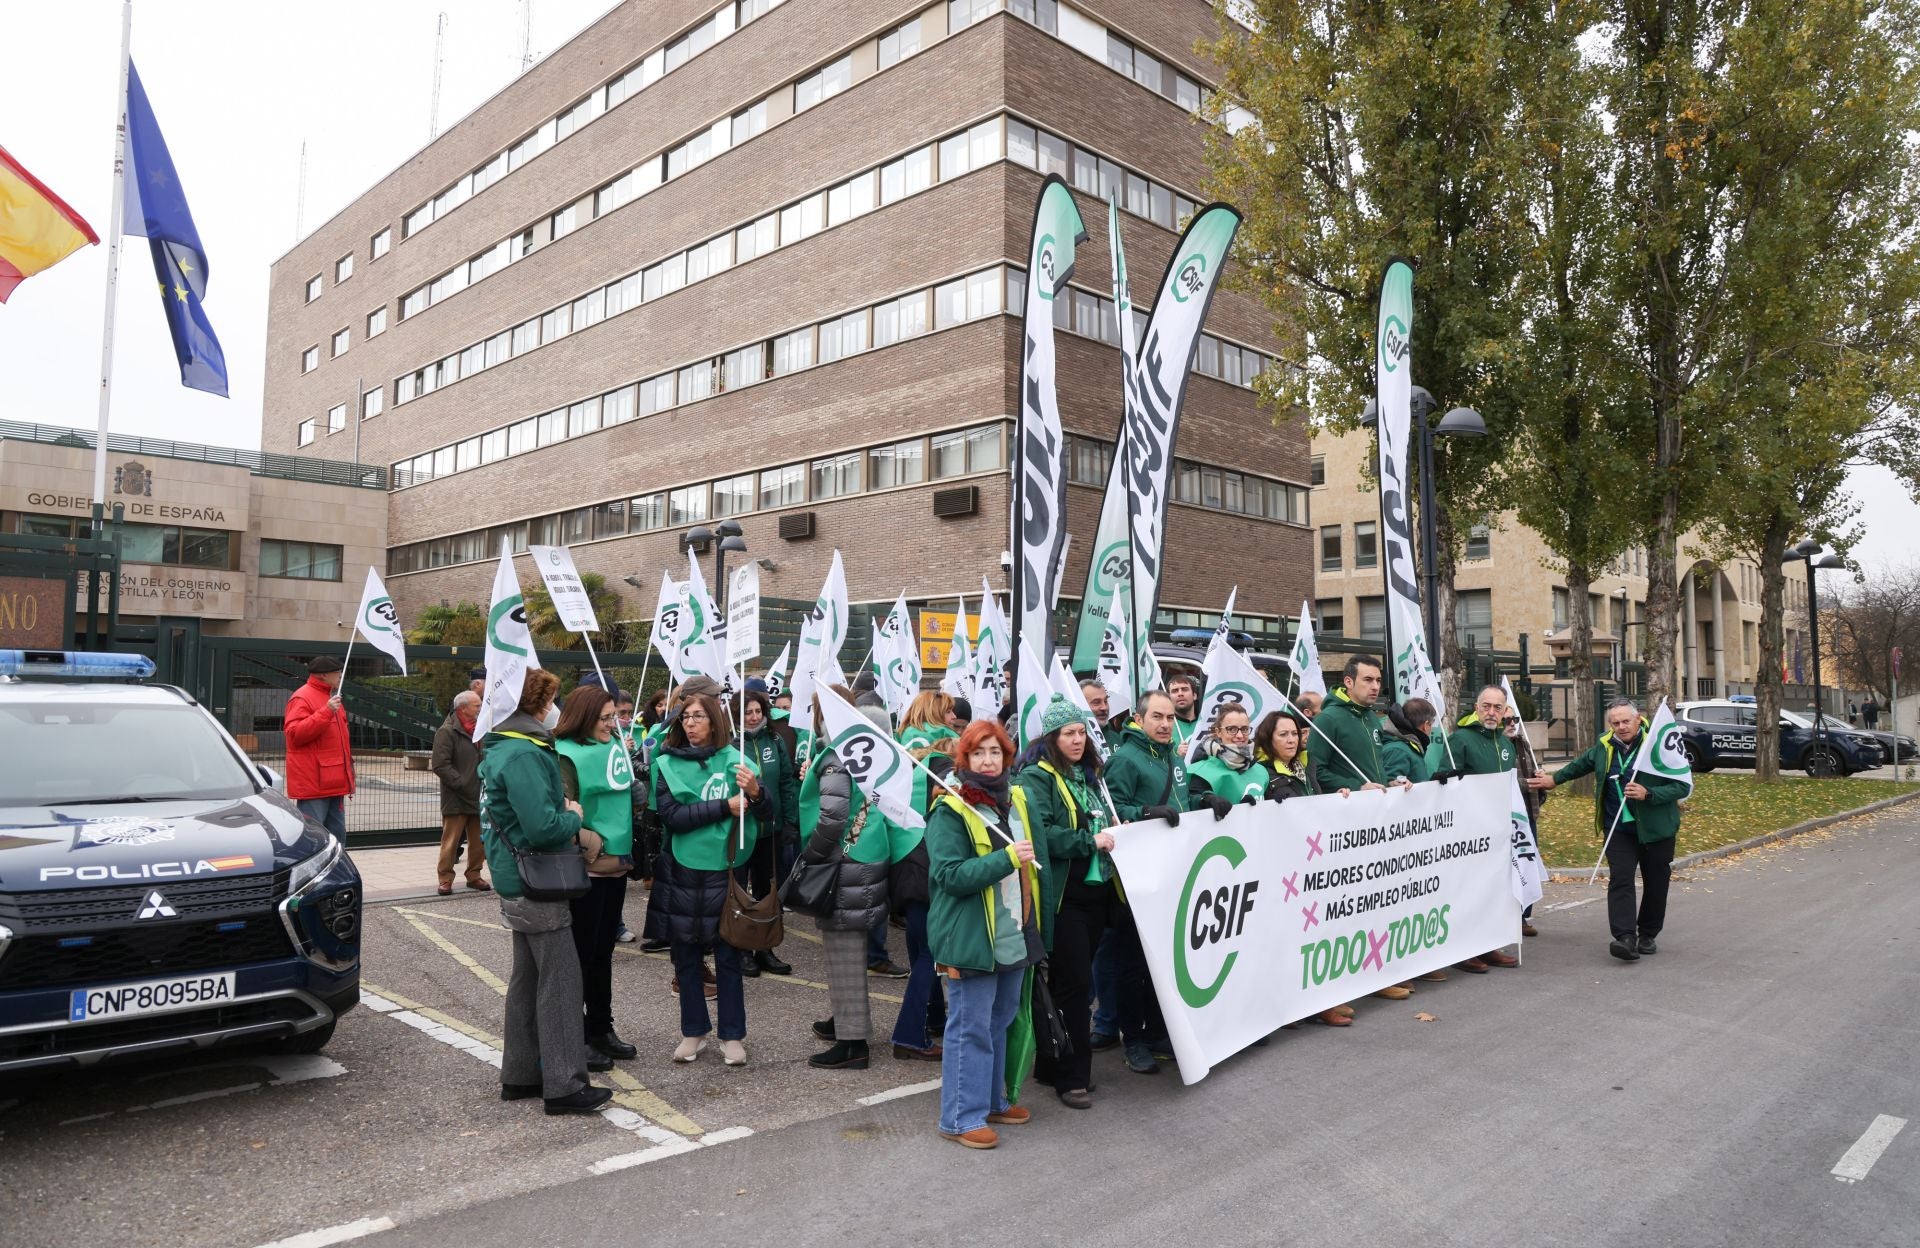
(1278, 790)
(1217, 804)
(1249, 800)
(1444, 776)
(1168, 813)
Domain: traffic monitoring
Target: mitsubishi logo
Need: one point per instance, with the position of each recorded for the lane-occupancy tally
(156, 907)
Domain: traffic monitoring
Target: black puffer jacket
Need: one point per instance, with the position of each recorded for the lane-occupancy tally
(860, 899)
(685, 903)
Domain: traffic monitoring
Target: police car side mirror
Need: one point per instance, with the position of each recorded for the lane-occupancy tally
(270, 777)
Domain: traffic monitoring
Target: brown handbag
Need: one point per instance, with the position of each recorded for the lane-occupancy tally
(746, 923)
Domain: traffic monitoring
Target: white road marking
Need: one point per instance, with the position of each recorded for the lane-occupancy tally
(1570, 905)
(622, 1161)
(67, 1122)
(894, 1094)
(333, 1234)
(725, 1136)
(189, 1098)
(1867, 1149)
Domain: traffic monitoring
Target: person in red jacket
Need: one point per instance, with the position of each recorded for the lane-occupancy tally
(319, 760)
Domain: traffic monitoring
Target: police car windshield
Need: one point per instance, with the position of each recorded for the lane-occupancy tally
(60, 753)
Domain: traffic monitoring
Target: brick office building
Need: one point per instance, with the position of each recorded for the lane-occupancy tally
(783, 286)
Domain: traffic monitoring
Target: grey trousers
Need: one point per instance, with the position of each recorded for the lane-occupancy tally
(847, 983)
(545, 1030)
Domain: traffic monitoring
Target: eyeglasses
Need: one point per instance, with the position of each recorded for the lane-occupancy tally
(693, 717)
(608, 717)
(1236, 730)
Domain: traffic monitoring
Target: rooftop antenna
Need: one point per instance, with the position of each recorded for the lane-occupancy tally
(439, 58)
(526, 35)
(300, 199)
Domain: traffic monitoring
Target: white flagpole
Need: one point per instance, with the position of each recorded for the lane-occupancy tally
(596, 665)
(117, 226)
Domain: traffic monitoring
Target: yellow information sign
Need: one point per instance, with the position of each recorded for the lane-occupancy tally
(936, 637)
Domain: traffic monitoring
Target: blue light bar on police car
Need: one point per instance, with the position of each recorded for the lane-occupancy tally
(73, 663)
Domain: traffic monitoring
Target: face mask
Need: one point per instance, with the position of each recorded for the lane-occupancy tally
(551, 719)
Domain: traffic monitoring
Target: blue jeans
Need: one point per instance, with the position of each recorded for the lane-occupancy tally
(732, 1000)
(329, 812)
(877, 942)
(973, 1071)
(910, 1028)
(1106, 987)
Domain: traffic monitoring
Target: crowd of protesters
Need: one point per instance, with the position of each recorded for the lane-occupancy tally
(1011, 874)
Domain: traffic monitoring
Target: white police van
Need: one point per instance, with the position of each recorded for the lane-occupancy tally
(156, 892)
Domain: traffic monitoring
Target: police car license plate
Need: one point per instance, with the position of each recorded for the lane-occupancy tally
(152, 996)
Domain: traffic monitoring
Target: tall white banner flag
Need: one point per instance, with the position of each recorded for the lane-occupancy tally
(1664, 753)
(1393, 389)
(1115, 669)
(1107, 574)
(564, 587)
(1305, 656)
(1153, 394)
(819, 651)
(1230, 678)
(873, 759)
(1038, 524)
(1283, 910)
(509, 647)
(379, 623)
(700, 651)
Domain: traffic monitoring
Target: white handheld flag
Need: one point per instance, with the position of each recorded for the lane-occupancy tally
(1529, 873)
(1305, 658)
(564, 587)
(1036, 690)
(958, 682)
(1116, 658)
(873, 759)
(777, 674)
(992, 651)
(1067, 687)
(509, 648)
(668, 619)
(700, 650)
(896, 657)
(819, 652)
(1232, 679)
(1664, 754)
(805, 679)
(379, 623)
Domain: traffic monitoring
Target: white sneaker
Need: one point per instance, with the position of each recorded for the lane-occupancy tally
(626, 936)
(689, 1048)
(733, 1052)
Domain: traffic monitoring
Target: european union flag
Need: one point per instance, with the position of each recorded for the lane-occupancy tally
(157, 209)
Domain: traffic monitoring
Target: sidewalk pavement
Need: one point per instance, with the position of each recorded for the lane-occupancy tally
(406, 871)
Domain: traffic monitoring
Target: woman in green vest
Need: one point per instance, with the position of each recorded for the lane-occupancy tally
(1280, 746)
(769, 752)
(984, 930)
(1080, 895)
(597, 772)
(926, 722)
(711, 803)
(1230, 771)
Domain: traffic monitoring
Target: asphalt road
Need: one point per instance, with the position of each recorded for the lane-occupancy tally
(1703, 1096)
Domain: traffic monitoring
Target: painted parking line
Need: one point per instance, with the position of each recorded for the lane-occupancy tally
(334, 1234)
(458, 954)
(894, 1094)
(453, 918)
(1858, 1160)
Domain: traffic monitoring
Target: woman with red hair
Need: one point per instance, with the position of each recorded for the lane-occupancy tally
(984, 929)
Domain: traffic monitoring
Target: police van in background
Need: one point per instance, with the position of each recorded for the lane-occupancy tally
(156, 892)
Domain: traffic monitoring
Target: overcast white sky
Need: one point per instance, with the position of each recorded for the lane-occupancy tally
(238, 85)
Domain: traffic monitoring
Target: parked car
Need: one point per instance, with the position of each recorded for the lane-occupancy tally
(1725, 733)
(1909, 748)
(156, 892)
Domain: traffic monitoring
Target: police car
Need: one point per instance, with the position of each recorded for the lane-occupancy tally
(1725, 733)
(156, 892)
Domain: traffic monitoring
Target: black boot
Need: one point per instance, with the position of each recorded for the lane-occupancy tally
(844, 1055)
(610, 1043)
(824, 1029)
(585, 1101)
(770, 962)
(598, 1062)
(750, 967)
(1623, 948)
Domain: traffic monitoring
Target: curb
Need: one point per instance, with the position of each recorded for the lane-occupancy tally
(1727, 851)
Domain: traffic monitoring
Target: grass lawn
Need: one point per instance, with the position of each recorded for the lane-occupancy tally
(1722, 810)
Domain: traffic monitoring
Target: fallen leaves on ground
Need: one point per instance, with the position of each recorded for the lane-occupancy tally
(1424, 1017)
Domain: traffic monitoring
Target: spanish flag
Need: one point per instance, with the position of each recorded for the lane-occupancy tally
(37, 229)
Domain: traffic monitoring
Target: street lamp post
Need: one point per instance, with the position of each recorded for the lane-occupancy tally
(1620, 645)
(1805, 552)
(1461, 422)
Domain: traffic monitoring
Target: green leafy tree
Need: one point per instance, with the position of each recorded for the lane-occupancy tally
(544, 622)
(457, 624)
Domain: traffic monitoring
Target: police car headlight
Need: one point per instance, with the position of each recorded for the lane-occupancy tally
(306, 872)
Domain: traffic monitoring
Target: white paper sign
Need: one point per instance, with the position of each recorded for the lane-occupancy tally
(570, 601)
(743, 614)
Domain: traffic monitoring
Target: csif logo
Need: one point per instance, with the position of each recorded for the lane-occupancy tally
(868, 761)
(514, 609)
(1394, 343)
(619, 768)
(1113, 568)
(1207, 919)
(381, 617)
(1044, 268)
(1191, 279)
(717, 787)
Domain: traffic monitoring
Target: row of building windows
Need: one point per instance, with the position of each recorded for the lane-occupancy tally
(175, 546)
(950, 157)
(1366, 545)
(1088, 36)
(650, 69)
(1218, 489)
(1472, 617)
(936, 457)
(968, 298)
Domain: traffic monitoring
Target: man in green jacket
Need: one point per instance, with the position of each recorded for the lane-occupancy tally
(1347, 742)
(1146, 775)
(1643, 834)
(1481, 748)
